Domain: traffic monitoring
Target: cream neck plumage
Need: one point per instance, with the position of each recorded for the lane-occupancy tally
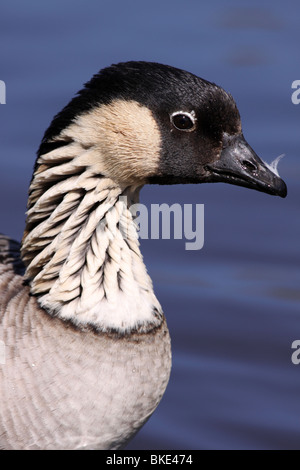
(81, 244)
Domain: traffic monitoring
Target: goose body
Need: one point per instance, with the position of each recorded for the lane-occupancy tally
(73, 389)
(87, 349)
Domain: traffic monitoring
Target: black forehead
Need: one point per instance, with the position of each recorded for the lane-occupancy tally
(157, 86)
(146, 82)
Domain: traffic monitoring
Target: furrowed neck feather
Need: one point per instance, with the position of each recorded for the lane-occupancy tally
(81, 245)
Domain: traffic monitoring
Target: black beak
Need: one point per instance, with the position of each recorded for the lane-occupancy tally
(239, 164)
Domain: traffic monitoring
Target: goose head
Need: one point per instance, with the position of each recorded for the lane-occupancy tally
(133, 123)
(152, 123)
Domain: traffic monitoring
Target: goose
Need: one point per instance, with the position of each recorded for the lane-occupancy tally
(87, 349)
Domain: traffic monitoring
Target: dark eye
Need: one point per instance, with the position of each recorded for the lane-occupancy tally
(183, 121)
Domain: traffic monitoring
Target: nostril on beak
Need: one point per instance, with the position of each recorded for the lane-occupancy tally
(249, 165)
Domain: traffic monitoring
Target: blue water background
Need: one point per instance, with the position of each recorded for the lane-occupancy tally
(232, 307)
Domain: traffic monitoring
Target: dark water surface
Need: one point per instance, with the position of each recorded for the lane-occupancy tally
(232, 307)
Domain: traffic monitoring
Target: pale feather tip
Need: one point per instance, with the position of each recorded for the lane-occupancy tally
(274, 164)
